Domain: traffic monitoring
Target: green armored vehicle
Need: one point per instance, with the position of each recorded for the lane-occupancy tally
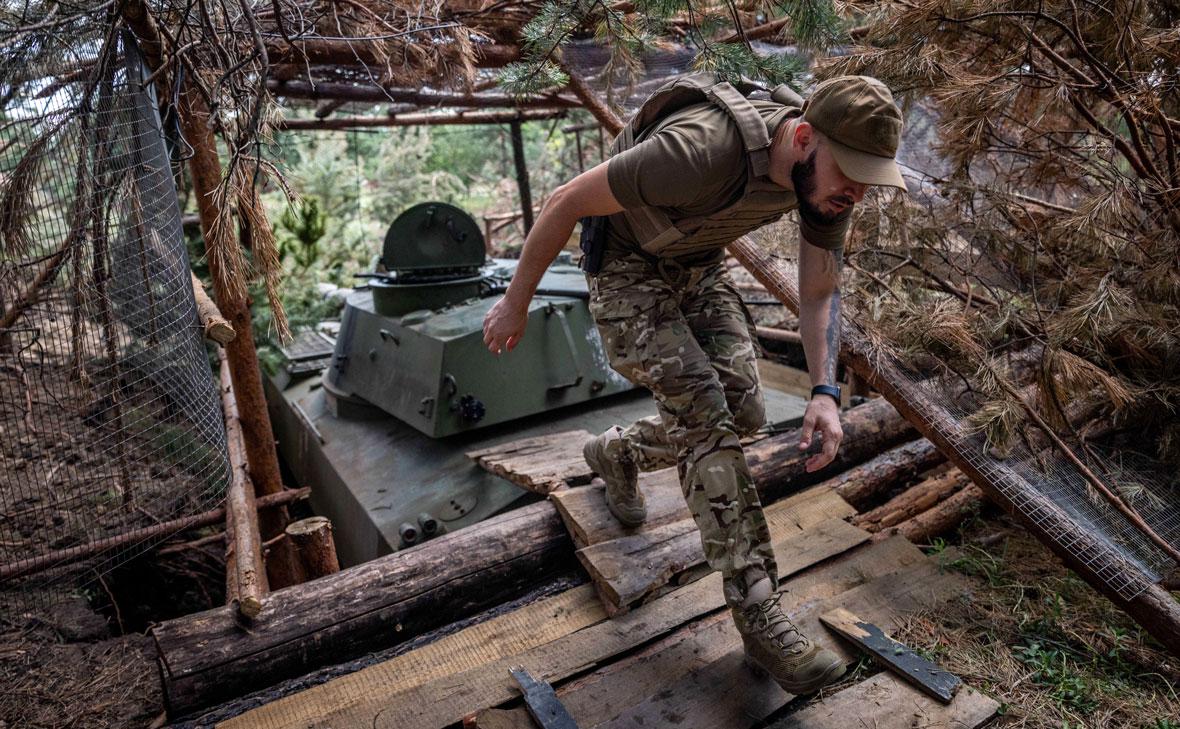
(378, 414)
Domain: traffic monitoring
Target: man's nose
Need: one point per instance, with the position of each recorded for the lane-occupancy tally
(856, 190)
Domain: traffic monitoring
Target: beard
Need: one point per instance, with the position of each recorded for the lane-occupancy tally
(803, 178)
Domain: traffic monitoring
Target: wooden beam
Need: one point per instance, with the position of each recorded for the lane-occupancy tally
(421, 119)
(1152, 607)
(245, 574)
(300, 89)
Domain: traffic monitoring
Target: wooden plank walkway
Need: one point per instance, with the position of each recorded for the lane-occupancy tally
(670, 655)
(692, 666)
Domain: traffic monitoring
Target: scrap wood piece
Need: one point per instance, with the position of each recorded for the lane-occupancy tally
(884, 702)
(541, 464)
(589, 522)
(913, 501)
(542, 702)
(895, 656)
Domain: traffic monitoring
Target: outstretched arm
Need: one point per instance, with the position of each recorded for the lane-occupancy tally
(587, 194)
(819, 326)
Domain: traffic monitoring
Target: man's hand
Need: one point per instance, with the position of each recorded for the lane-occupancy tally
(822, 416)
(504, 325)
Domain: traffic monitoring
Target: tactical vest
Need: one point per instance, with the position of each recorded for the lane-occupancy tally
(761, 201)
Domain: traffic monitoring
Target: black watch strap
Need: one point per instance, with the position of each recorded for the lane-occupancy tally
(831, 390)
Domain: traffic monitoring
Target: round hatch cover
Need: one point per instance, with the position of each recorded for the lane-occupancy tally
(433, 235)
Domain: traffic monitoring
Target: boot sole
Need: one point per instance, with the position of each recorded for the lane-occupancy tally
(835, 671)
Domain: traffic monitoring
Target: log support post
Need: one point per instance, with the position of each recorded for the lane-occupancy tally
(522, 176)
(245, 576)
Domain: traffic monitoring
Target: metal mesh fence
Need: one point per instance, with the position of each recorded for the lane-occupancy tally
(109, 417)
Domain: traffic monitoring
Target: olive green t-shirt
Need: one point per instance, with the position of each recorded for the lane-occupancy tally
(693, 163)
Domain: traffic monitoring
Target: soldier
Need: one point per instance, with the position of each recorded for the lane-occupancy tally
(699, 165)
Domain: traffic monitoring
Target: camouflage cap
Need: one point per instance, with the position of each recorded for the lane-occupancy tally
(859, 118)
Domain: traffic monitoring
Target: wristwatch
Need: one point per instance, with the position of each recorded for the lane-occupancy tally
(831, 390)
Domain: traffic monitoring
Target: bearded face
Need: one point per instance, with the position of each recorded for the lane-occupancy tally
(821, 208)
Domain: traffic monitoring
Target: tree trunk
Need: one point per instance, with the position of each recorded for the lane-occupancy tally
(860, 486)
(240, 352)
(944, 517)
(911, 502)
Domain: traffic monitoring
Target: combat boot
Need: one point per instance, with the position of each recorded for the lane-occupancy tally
(604, 454)
(776, 647)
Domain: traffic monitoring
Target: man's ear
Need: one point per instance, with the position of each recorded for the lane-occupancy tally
(803, 137)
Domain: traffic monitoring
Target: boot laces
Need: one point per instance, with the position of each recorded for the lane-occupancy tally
(768, 615)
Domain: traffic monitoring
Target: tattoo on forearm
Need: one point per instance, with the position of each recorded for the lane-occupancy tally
(834, 265)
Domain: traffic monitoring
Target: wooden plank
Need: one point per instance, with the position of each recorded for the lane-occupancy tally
(884, 702)
(894, 656)
(725, 693)
(541, 464)
(589, 522)
(628, 568)
(607, 692)
(625, 570)
(448, 699)
(505, 635)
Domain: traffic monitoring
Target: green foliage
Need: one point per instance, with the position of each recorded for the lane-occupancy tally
(1055, 670)
(814, 25)
(299, 232)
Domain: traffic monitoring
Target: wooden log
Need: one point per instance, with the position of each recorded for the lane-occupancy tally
(257, 434)
(911, 502)
(216, 327)
(1148, 604)
(779, 467)
(299, 89)
(779, 335)
(70, 555)
(208, 657)
(940, 519)
(423, 119)
(313, 543)
(245, 575)
(861, 485)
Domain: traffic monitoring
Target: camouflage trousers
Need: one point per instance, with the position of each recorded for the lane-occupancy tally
(685, 335)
